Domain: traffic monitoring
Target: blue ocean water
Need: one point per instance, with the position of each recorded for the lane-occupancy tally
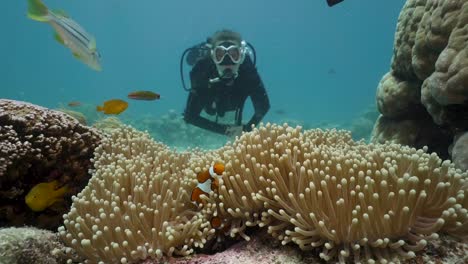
(318, 63)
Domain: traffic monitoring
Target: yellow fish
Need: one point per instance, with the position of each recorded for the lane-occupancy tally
(44, 194)
(113, 107)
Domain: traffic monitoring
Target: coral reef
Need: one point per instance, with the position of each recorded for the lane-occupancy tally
(30, 245)
(428, 79)
(320, 190)
(172, 130)
(83, 109)
(80, 117)
(108, 124)
(361, 126)
(40, 145)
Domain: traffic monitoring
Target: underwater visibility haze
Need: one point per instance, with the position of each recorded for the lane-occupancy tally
(123, 136)
(318, 63)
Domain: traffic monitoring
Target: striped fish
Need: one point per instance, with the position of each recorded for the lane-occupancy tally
(68, 33)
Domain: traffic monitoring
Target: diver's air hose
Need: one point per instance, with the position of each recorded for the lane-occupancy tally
(182, 68)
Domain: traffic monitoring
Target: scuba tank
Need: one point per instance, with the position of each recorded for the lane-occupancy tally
(201, 51)
(196, 53)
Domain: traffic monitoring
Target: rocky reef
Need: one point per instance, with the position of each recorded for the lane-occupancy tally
(40, 145)
(423, 99)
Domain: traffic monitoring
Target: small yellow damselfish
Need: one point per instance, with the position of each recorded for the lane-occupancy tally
(44, 194)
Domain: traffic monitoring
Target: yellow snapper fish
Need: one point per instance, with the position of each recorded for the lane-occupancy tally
(68, 33)
(44, 194)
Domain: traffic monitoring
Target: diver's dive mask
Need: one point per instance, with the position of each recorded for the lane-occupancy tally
(227, 57)
(233, 51)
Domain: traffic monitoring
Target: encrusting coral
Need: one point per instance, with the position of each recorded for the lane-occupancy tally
(40, 145)
(317, 189)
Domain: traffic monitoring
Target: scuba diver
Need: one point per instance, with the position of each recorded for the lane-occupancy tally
(222, 78)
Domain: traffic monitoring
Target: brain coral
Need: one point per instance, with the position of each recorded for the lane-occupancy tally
(317, 189)
(39, 145)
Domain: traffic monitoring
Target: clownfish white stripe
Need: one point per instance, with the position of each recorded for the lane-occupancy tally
(212, 173)
(206, 186)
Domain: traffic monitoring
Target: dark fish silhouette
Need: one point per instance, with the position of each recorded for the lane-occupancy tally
(280, 112)
(333, 2)
(74, 104)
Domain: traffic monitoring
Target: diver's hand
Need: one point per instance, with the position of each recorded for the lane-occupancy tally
(233, 131)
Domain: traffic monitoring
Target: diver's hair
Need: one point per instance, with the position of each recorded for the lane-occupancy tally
(225, 35)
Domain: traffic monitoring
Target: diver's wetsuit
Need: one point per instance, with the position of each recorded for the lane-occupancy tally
(218, 98)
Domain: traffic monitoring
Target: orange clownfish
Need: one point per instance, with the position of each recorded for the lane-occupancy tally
(207, 181)
(216, 222)
(219, 224)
